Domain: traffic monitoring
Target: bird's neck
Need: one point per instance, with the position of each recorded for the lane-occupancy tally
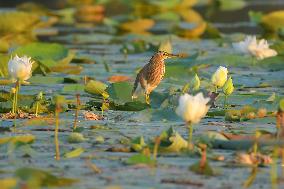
(157, 61)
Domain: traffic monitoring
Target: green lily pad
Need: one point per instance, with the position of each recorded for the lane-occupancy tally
(120, 92)
(140, 159)
(74, 153)
(171, 141)
(47, 55)
(231, 5)
(76, 137)
(18, 139)
(17, 22)
(73, 88)
(97, 88)
(138, 144)
(4, 59)
(41, 178)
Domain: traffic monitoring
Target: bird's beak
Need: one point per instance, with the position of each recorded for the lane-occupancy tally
(173, 55)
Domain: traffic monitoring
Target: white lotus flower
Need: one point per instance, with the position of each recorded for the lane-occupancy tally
(260, 49)
(220, 76)
(192, 108)
(20, 68)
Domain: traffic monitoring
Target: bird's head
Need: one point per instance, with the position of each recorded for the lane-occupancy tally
(164, 55)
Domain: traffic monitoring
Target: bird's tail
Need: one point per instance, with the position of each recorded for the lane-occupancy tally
(134, 94)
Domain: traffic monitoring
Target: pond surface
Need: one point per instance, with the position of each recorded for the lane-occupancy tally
(103, 51)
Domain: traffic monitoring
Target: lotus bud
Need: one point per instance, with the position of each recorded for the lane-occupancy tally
(228, 87)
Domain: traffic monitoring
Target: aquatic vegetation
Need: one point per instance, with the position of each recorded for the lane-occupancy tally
(20, 70)
(219, 77)
(74, 123)
(192, 109)
(228, 89)
(251, 46)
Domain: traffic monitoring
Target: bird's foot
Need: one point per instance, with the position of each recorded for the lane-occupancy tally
(147, 99)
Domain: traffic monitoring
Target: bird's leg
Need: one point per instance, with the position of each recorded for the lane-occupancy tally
(147, 98)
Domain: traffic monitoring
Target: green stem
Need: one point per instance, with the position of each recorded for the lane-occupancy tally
(76, 111)
(14, 101)
(254, 61)
(225, 101)
(190, 130)
(57, 153)
(255, 145)
(216, 89)
(157, 144)
(273, 170)
(36, 110)
(16, 95)
(251, 178)
(102, 108)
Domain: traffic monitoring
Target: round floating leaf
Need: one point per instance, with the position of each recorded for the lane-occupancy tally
(120, 92)
(4, 65)
(8, 183)
(48, 54)
(138, 144)
(74, 153)
(17, 22)
(137, 26)
(273, 21)
(42, 178)
(15, 139)
(140, 159)
(97, 88)
(76, 138)
(226, 5)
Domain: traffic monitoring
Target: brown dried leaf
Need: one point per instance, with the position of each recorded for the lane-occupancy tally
(253, 159)
(20, 115)
(92, 116)
(118, 78)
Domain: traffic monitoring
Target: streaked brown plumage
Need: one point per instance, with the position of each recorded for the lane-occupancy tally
(151, 74)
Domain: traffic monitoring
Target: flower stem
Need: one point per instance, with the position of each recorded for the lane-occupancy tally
(157, 144)
(251, 178)
(216, 89)
(77, 111)
(254, 61)
(190, 129)
(36, 110)
(16, 95)
(57, 153)
(255, 145)
(14, 102)
(225, 101)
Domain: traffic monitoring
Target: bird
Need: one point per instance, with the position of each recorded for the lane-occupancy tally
(150, 76)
